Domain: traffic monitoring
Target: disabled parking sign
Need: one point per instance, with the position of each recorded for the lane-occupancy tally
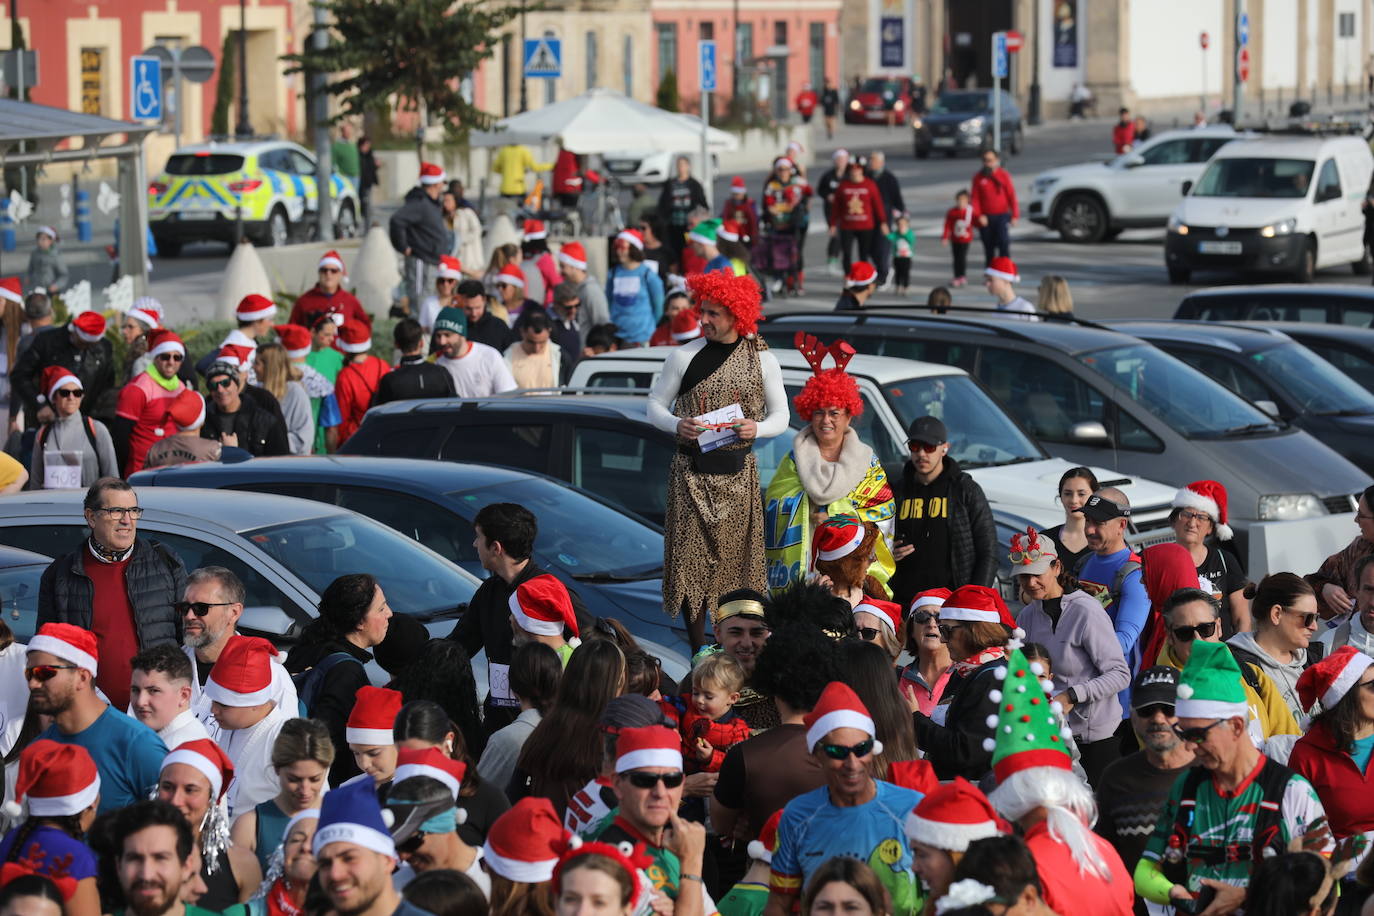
(145, 88)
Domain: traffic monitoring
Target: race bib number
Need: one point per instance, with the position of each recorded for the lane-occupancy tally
(498, 682)
(626, 286)
(62, 470)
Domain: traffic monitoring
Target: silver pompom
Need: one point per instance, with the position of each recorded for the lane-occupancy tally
(214, 838)
(992, 720)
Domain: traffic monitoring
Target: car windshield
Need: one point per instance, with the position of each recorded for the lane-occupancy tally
(204, 164)
(623, 548)
(1259, 177)
(881, 86)
(1314, 383)
(19, 599)
(980, 433)
(961, 102)
(416, 580)
(1188, 401)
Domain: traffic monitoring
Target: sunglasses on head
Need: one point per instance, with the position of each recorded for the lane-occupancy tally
(922, 446)
(70, 393)
(642, 780)
(841, 751)
(42, 673)
(1195, 735)
(925, 617)
(1203, 630)
(199, 608)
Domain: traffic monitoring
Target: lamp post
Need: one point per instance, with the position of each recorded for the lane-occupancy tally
(1033, 101)
(524, 99)
(245, 127)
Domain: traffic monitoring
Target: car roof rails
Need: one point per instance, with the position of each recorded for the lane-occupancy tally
(1335, 124)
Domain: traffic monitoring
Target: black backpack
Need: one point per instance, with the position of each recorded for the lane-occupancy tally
(311, 680)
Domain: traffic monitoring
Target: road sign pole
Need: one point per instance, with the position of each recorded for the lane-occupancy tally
(1242, 40)
(708, 181)
(999, 69)
(177, 88)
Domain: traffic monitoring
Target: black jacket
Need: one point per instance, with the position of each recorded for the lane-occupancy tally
(972, 533)
(825, 189)
(94, 365)
(678, 199)
(419, 226)
(334, 701)
(956, 748)
(491, 331)
(260, 433)
(414, 378)
(891, 190)
(155, 579)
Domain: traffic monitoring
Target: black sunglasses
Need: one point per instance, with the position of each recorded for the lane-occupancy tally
(642, 780)
(947, 631)
(1309, 618)
(868, 634)
(1148, 712)
(924, 617)
(199, 608)
(411, 844)
(43, 673)
(841, 751)
(1196, 735)
(70, 393)
(170, 357)
(1204, 630)
(223, 383)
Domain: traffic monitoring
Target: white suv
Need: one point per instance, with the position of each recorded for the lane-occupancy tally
(1093, 201)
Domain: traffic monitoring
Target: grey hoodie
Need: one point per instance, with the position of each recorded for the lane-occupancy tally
(1284, 674)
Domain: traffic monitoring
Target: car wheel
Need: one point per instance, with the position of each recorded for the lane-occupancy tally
(1081, 219)
(347, 226)
(278, 229)
(168, 249)
(1017, 141)
(1179, 275)
(1364, 266)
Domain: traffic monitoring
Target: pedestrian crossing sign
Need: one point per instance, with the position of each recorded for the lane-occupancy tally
(543, 58)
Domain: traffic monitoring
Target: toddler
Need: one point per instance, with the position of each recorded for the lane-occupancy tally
(46, 270)
(709, 724)
(903, 242)
(958, 234)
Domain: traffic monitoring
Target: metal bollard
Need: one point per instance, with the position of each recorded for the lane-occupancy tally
(7, 242)
(83, 215)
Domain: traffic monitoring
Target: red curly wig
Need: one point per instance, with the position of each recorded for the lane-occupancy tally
(740, 296)
(830, 388)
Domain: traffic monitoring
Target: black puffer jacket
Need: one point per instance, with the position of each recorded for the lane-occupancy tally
(155, 579)
(972, 534)
(956, 748)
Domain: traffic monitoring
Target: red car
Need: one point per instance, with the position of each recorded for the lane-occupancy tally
(880, 100)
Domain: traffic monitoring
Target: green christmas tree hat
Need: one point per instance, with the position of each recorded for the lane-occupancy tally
(1027, 729)
(1209, 687)
(705, 231)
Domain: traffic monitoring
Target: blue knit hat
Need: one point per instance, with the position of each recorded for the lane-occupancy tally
(352, 814)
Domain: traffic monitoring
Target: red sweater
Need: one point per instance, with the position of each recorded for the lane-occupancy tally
(994, 194)
(722, 734)
(1344, 791)
(806, 101)
(857, 205)
(1070, 891)
(567, 174)
(959, 223)
(353, 389)
(112, 622)
(1123, 135)
(742, 212)
(312, 304)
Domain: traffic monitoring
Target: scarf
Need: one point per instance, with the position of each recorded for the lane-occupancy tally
(171, 384)
(827, 481)
(967, 666)
(108, 554)
(279, 900)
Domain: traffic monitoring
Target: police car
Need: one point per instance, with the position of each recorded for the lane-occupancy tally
(197, 195)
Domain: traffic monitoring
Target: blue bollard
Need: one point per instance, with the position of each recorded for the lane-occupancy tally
(83, 215)
(6, 230)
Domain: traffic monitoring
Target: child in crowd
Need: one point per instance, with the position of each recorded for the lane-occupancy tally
(958, 234)
(709, 724)
(46, 270)
(903, 242)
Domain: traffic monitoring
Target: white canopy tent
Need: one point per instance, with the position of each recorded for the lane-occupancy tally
(603, 120)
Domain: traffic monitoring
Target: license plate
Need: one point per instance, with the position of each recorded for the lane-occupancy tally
(942, 141)
(1219, 247)
(198, 214)
(621, 165)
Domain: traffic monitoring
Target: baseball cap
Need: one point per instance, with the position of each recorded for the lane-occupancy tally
(928, 430)
(1155, 686)
(1102, 509)
(1029, 559)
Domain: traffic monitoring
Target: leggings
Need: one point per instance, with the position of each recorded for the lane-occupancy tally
(865, 238)
(960, 252)
(901, 270)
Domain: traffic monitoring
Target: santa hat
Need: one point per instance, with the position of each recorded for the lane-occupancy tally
(69, 643)
(352, 814)
(1003, 267)
(431, 762)
(450, 268)
(977, 604)
(525, 842)
(838, 536)
(649, 746)
(255, 308)
(511, 275)
(49, 231)
(534, 229)
(332, 259)
(354, 337)
(839, 707)
(1210, 685)
(931, 597)
(57, 779)
(1332, 677)
(1027, 731)
(542, 606)
(144, 315)
(209, 758)
(763, 848)
(574, 255)
(737, 185)
(12, 288)
(242, 675)
(861, 273)
(685, 326)
(239, 357)
(164, 340)
(1206, 496)
(151, 307)
(373, 717)
(729, 230)
(431, 174)
(953, 816)
(784, 161)
(889, 612)
(632, 236)
(188, 409)
(294, 338)
(632, 859)
(89, 326)
(54, 377)
(705, 231)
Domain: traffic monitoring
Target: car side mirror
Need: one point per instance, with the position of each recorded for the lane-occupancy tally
(1187, 186)
(267, 621)
(1268, 407)
(1135, 162)
(1090, 432)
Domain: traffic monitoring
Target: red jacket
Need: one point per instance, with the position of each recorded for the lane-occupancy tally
(742, 212)
(994, 194)
(857, 205)
(959, 223)
(806, 101)
(567, 174)
(722, 734)
(354, 388)
(1123, 136)
(1344, 791)
(313, 304)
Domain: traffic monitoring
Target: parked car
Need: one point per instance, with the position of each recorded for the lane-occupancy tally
(880, 100)
(961, 121)
(653, 166)
(1350, 350)
(20, 572)
(1099, 397)
(1278, 205)
(1093, 201)
(1276, 373)
(618, 573)
(1352, 306)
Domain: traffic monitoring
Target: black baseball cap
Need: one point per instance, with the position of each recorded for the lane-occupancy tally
(927, 430)
(1155, 687)
(1102, 509)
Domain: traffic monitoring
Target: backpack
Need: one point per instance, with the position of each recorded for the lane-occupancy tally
(311, 680)
(89, 426)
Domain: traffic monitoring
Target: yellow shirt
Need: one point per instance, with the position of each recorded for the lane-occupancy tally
(1267, 708)
(511, 163)
(10, 470)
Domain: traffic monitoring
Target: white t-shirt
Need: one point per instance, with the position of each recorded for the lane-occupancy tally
(479, 372)
(1021, 306)
(429, 313)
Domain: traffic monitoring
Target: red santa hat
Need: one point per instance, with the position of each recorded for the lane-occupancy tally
(839, 707)
(931, 597)
(54, 377)
(450, 268)
(574, 255)
(373, 717)
(542, 606)
(294, 338)
(332, 259)
(535, 229)
(240, 357)
(255, 308)
(512, 275)
(631, 859)
(737, 185)
(729, 230)
(1206, 496)
(431, 762)
(89, 326)
(242, 675)
(649, 746)
(784, 162)
(138, 312)
(49, 231)
(209, 758)
(763, 848)
(685, 326)
(838, 536)
(164, 340)
(57, 779)
(354, 337)
(861, 273)
(953, 816)
(889, 612)
(432, 174)
(188, 409)
(69, 643)
(1332, 677)
(12, 288)
(1004, 268)
(632, 236)
(525, 842)
(977, 604)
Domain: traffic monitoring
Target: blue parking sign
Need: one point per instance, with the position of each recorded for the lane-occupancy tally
(707, 51)
(999, 55)
(145, 88)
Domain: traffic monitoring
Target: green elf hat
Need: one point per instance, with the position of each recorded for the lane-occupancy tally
(705, 231)
(1027, 729)
(1209, 687)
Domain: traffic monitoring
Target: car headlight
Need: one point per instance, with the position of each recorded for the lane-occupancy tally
(1282, 227)
(972, 125)
(898, 105)
(1287, 506)
(1177, 226)
(916, 122)
(1042, 185)
(854, 105)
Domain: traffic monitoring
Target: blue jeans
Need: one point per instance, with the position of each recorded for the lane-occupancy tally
(996, 236)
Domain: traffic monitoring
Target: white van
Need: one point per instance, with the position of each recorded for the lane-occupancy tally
(1280, 204)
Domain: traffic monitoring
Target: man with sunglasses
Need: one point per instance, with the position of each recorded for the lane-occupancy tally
(328, 296)
(82, 347)
(1237, 808)
(572, 264)
(235, 419)
(117, 585)
(142, 415)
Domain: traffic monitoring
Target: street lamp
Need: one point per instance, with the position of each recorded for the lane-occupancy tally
(1033, 102)
(244, 128)
(524, 100)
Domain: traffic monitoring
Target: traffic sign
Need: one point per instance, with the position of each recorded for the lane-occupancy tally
(145, 94)
(1243, 30)
(999, 55)
(1243, 65)
(1015, 41)
(13, 74)
(1204, 39)
(706, 55)
(543, 57)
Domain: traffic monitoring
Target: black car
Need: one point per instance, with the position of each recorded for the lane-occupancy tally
(1352, 306)
(1350, 350)
(961, 121)
(1275, 372)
